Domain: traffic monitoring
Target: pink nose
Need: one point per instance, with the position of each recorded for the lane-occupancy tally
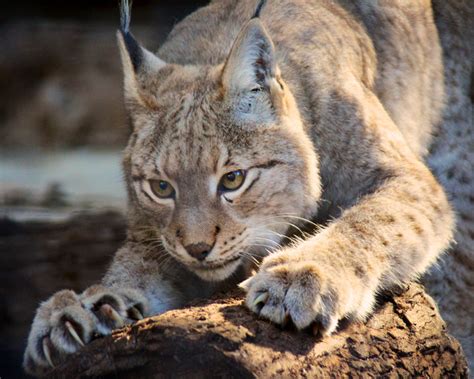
(198, 250)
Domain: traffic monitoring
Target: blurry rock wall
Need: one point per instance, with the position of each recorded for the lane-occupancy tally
(60, 73)
(60, 86)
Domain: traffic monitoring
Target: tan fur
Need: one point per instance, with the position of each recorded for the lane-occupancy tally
(329, 107)
(451, 281)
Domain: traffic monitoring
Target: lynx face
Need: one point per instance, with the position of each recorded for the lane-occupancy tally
(218, 164)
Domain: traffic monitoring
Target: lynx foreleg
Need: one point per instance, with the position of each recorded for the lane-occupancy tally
(387, 239)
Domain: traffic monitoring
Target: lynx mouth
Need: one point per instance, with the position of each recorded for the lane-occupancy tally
(210, 266)
(218, 271)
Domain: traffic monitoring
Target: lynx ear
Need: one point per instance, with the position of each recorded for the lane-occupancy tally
(138, 63)
(251, 64)
(250, 76)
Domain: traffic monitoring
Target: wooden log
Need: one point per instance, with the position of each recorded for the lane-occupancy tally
(220, 338)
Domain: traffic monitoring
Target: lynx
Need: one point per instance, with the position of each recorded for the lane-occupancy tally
(282, 146)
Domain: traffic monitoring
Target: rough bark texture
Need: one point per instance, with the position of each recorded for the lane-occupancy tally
(221, 338)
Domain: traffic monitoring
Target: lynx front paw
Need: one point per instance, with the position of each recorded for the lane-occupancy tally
(67, 321)
(294, 291)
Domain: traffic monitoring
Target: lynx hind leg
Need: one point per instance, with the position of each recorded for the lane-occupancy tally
(68, 321)
(452, 160)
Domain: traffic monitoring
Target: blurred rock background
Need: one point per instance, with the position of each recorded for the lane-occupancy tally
(62, 127)
(60, 74)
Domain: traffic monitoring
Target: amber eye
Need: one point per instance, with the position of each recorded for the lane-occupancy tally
(162, 188)
(232, 180)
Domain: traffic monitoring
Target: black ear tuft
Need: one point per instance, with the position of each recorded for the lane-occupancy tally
(259, 9)
(134, 49)
(125, 15)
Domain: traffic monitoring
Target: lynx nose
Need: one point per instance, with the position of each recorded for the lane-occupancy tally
(198, 250)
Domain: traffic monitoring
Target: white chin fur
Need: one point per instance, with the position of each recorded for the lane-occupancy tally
(217, 274)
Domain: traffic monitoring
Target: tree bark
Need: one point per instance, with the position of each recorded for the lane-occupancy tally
(220, 338)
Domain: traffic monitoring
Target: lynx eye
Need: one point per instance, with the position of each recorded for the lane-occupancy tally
(232, 181)
(162, 188)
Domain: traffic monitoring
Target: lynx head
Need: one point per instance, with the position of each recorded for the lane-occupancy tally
(218, 163)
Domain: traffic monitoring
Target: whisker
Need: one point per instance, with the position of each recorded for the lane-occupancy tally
(302, 219)
(250, 257)
(285, 223)
(279, 234)
(276, 244)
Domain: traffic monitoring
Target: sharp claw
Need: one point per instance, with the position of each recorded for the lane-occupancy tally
(73, 333)
(245, 284)
(262, 298)
(47, 353)
(286, 318)
(112, 313)
(135, 313)
(316, 330)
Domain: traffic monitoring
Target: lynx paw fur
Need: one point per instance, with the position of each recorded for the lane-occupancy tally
(68, 321)
(297, 292)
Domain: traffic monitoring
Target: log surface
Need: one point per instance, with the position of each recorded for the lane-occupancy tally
(221, 338)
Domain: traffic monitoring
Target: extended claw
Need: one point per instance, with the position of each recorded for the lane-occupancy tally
(112, 313)
(135, 313)
(317, 330)
(261, 299)
(73, 333)
(47, 352)
(286, 318)
(245, 284)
